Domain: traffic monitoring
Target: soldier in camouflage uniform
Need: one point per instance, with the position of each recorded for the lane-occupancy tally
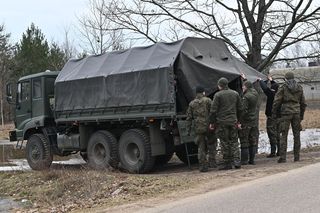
(224, 116)
(291, 102)
(198, 112)
(247, 134)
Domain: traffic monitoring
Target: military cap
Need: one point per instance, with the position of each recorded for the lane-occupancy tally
(247, 84)
(289, 75)
(223, 82)
(199, 89)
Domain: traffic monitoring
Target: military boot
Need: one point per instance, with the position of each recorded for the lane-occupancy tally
(252, 154)
(273, 151)
(282, 160)
(203, 167)
(226, 166)
(244, 156)
(212, 163)
(278, 149)
(237, 164)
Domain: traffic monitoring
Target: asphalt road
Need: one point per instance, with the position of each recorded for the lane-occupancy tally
(293, 191)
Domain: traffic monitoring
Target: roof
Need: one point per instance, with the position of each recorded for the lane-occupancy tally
(212, 53)
(163, 73)
(302, 74)
(40, 74)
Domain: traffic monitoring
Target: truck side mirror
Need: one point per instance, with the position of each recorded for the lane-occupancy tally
(9, 93)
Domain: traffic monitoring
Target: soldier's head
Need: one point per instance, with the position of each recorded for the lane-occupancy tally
(222, 83)
(289, 75)
(200, 90)
(246, 85)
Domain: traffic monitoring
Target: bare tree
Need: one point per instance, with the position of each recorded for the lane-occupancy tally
(256, 30)
(68, 46)
(94, 29)
(6, 53)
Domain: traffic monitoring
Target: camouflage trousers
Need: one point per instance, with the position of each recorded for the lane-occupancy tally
(248, 136)
(285, 121)
(207, 145)
(273, 131)
(228, 136)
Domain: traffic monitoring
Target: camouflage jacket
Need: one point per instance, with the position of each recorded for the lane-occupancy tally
(198, 112)
(226, 107)
(289, 99)
(249, 103)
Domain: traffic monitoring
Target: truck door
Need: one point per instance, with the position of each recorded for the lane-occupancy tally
(37, 98)
(23, 107)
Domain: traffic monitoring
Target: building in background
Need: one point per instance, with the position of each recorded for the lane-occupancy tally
(308, 77)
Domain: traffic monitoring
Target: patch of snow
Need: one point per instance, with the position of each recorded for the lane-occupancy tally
(308, 138)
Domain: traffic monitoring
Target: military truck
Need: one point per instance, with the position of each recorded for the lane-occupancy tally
(121, 109)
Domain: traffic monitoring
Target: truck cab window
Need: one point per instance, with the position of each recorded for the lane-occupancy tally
(24, 91)
(36, 94)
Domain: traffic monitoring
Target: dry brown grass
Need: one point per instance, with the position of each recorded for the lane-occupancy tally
(66, 190)
(311, 119)
(4, 131)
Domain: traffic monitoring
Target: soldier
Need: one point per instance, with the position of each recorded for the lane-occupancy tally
(291, 102)
(224, 116)
(272, 124)
(247, 133)
(198, 112)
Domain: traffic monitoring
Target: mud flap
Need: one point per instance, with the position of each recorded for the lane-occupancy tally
(158, 144)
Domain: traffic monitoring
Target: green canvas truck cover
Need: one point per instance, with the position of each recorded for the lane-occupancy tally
(147, 75)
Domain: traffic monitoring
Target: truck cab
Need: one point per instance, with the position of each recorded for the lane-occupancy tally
(34, 104)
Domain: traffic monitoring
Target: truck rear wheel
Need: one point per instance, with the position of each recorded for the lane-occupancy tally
(135, 151)
(102, 150)
(192, 150)
(39, 155)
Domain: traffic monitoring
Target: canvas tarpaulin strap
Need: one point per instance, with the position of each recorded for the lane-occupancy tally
(147, 75)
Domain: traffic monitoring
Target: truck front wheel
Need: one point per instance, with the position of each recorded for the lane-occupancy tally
(135, 151)
(102, 150)
(39, 155)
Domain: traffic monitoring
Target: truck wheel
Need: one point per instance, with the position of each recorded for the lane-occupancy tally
(182, 155)
(102, 150)
(135, 151)
(39, 155)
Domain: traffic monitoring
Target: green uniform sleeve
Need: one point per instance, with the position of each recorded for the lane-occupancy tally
(214, 110)
(277, 101)
(303, 106)
(239, 108)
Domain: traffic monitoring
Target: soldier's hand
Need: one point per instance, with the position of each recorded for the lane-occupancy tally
(212, 127)
(238, 125)
(243, 76)
(270, 77)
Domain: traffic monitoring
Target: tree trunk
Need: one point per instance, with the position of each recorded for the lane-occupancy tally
(2, 116)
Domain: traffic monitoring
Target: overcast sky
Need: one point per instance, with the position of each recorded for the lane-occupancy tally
(51, 16)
